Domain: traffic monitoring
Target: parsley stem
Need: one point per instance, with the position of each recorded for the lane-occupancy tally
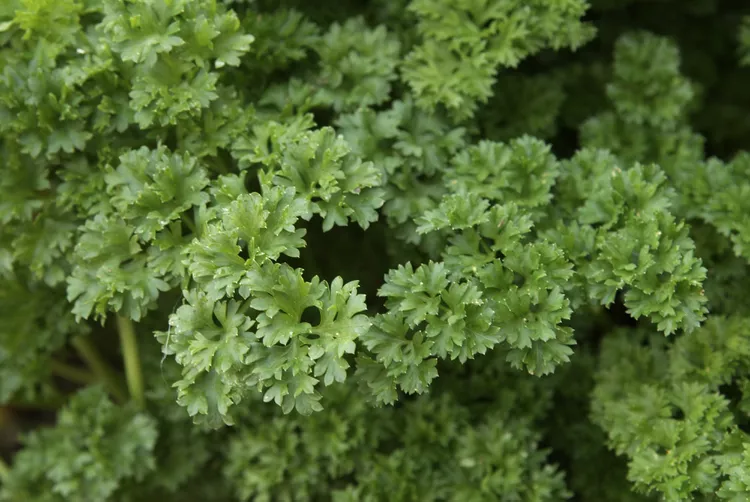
(220, 167)
(189, 223)
(486, 249)
(99, 367)
(71, 373)
(131, 359)
(49, 405)
(4, 470)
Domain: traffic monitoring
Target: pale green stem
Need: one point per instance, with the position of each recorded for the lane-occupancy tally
(71, 373)
(131, 359)
(51, 405)
(189, 223)
(4, 470)
(99, 367)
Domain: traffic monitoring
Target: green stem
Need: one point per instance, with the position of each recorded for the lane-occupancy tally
(52, 405)
(189, 223)
(219, 166)
(132, 361)
(4, 470)
(486, 249)
(71, 373)
(99, 367)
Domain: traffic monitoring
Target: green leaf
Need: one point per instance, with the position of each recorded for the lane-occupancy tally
(151, 188)
(111, 272)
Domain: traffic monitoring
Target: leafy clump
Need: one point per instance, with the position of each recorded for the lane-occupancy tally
(391, 250)
(464, 43)
(663, 408)
(74, 460)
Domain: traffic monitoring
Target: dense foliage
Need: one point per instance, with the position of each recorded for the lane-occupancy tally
(383, 250)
